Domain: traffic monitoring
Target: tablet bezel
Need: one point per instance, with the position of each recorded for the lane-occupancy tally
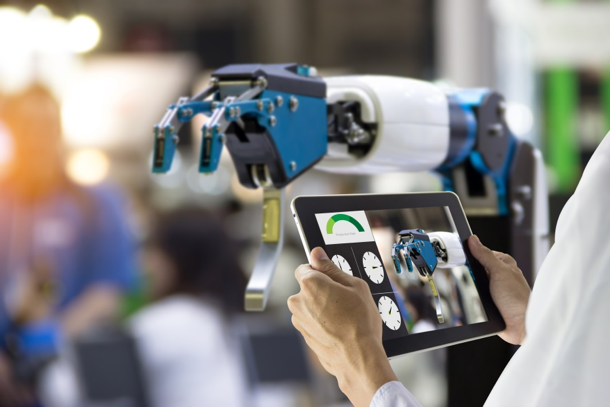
(304, 209)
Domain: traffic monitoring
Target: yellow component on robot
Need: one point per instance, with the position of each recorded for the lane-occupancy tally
(271, 220)
(433, 287)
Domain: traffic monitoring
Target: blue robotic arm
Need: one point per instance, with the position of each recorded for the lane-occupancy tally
(272, 119)
(418, 249)
(279, 121)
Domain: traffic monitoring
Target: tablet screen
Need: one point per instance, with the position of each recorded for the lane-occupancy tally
(414, 263)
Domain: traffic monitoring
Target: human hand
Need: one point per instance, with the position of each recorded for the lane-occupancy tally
(509, 289)
(340, 322)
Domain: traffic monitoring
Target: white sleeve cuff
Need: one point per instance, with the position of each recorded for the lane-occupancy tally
(394, 394)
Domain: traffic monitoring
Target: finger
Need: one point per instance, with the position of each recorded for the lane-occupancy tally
(307, 272)
(293, 304)
(485, 256)
(321, 262)
(505, 258)
(298, 307)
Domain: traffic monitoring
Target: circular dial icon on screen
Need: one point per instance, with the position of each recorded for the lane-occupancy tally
(372, 267)
(389, 312)
(342, 264)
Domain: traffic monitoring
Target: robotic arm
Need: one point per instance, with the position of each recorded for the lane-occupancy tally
(272, 118)
(428, 251)
(278, 121)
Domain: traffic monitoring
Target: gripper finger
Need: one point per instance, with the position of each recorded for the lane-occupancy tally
(437, 301)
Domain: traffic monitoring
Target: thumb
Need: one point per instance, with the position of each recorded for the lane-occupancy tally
(484, 255)
(321, 263)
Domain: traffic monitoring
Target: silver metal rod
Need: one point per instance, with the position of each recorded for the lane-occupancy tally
(257, 291)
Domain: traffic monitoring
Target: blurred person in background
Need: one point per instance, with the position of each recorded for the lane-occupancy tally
(421, 310)
(189, 356)
(66, 254)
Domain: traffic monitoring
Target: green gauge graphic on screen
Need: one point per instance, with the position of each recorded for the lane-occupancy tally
(344, 227)
(339, 218)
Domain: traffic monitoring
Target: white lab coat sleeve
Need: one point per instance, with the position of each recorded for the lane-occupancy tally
(394, 394)
(565, 359)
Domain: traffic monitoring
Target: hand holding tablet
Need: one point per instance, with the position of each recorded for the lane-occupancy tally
(392, 249)
(443, 297)
(509, 289)
(338, 319)
(329, 326)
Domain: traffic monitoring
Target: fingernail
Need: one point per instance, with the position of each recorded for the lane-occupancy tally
(319, 254)
(477, 241)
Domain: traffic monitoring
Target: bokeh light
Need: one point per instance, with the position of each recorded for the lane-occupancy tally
(40, 46)
(46, 33)
(172, 178)
(6, 149)
(519, 118)
(88, 166)
(15, 64)
(83, 34)
(243, 194)
(217, 183)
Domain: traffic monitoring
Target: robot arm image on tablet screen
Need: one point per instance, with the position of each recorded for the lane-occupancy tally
(428, 251)
(279, 121)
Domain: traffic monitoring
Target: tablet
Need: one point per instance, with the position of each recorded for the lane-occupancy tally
(412, 251)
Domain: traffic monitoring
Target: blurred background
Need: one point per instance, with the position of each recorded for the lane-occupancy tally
(85, 222)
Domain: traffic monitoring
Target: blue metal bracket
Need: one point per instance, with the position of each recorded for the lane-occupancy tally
(187, 111)
(257, 107)
(166, 131)
(211, 149)
(164, 150)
